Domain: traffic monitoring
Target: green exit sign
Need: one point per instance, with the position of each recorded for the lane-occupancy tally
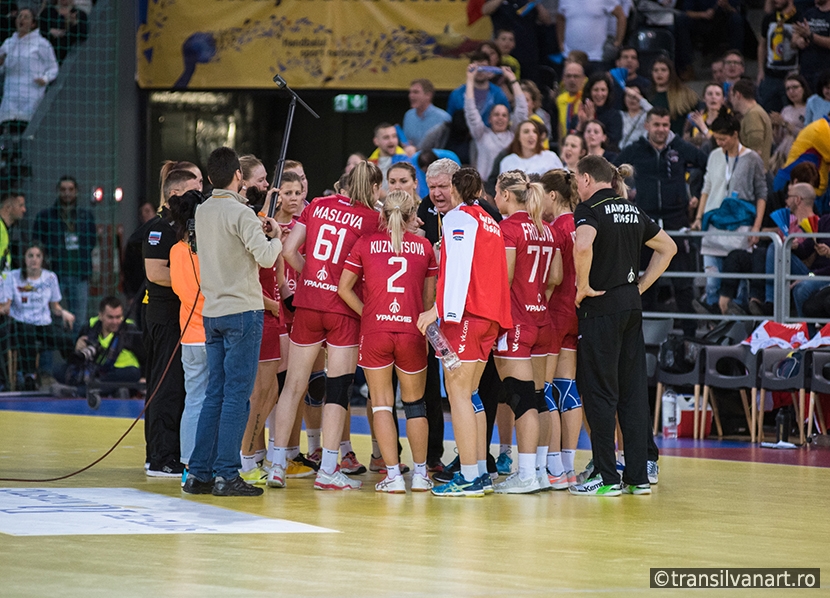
(351, 102)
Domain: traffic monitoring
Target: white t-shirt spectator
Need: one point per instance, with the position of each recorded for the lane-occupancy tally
(31, 298)
(537, 164)
(586, 25)
(627, 5)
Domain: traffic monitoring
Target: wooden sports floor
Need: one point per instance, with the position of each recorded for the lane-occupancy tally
(704, 513)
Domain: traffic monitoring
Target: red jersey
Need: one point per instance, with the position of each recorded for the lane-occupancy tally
(564, 294)
(473, 269)
(270, 289)
(393, 284)
(534, 255)
(333, 225)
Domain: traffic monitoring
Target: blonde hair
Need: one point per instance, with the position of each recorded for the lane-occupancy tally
(247, 164)
(564, 184)
(396, 212)
(530, 195)
(362, 180)
(623, 171)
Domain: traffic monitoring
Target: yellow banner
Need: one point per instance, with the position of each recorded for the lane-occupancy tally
(354, 44)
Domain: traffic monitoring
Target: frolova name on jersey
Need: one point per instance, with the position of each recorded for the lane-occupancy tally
(532, 233)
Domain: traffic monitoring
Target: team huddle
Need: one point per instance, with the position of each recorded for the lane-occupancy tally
(365, 285)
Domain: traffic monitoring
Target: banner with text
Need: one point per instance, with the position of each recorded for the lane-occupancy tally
(355, 44)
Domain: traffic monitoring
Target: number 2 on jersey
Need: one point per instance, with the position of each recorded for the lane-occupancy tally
(390, 282)
(323, 246)
(539, 251)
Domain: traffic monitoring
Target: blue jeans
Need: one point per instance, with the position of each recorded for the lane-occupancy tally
(797, 267)
(232, 348)
(194, 362)
(75, 294)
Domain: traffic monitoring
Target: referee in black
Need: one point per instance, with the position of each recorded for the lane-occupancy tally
(611, 359)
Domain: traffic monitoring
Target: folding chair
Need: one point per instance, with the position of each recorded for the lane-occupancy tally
(769, 379)
(712, 378)
(819, 382)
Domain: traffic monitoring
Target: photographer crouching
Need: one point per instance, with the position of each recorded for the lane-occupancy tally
(96, 355)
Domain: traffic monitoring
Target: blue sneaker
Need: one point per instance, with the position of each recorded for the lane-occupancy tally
(184, 476)
(504, 464)
(459, 486)
(486, 483)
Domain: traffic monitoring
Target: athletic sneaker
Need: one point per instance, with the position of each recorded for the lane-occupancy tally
(435, 467)
(448, 473)
(168, 470)
(316, 456)
(349, 464)
(596, 487)
(587, 473)
(276, 477)
(571, 477)
(544, 480)
(378, 465)
(421, 483)
(184, 476)
(516, 485)
(620, 466)
(336, 481)
(314, 465)
(639, 489)
(297, 469)
(255, 476)
(504, 464)
(459, 487)
(653, 470)
(194, 486)
(234, 487)
(394, 485)
(558, 482)
(487, 483)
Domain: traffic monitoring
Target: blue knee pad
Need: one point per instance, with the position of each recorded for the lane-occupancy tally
(316, 393)
(568, 395)
(478, 406)
(550, 391)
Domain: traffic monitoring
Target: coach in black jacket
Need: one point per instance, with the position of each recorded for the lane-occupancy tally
(661, 161)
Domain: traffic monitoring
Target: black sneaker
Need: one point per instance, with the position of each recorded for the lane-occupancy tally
(173, 469)
(446, 476)
(234, 487)
(195, 486)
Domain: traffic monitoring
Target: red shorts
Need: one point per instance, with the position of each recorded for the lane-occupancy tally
(564, 332)
(381, 349)
(269, 348)
(312, 327)
(525, 341)
(472, 337)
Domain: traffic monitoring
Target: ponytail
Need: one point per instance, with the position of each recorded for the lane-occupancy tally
(563, 184)
(532, 198)
(467, 183)
(624, 171)
(167, 167)
(362, 180)
(396, 212)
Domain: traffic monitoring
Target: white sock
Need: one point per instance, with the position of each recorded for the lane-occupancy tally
(260, 455)
(346, 448)
(469, 472)
(555, 466)
(314, 435)
(568, 459)
(421, 469)
(482, 467)
(293, 451)
(280, 459)
(505, 448)
(527, 465)
(329, 462)
(270, 453)
(375, 448)
(393, 471)
(621, 458)
(248, 462)
(541, 457)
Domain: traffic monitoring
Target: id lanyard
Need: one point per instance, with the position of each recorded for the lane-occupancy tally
(730, 172)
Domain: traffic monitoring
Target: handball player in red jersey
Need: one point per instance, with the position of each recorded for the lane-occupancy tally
(473, 302)
(529, 246)
(398, 269)
(329, 228)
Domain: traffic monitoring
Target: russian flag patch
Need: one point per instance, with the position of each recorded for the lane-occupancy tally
(154, 238)
(458, 234)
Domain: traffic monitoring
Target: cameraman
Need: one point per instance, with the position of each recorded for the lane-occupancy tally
(94, 342)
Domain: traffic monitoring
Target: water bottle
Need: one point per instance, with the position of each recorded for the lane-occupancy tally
(782, 426)
(442, 347)
(669, 414)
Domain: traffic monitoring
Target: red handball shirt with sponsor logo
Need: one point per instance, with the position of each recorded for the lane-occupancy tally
(393, 284)
(534, 256)
(564, 294)
(333, 225)
(473, 269)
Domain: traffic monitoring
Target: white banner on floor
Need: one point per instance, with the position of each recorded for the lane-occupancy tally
(111, 511)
